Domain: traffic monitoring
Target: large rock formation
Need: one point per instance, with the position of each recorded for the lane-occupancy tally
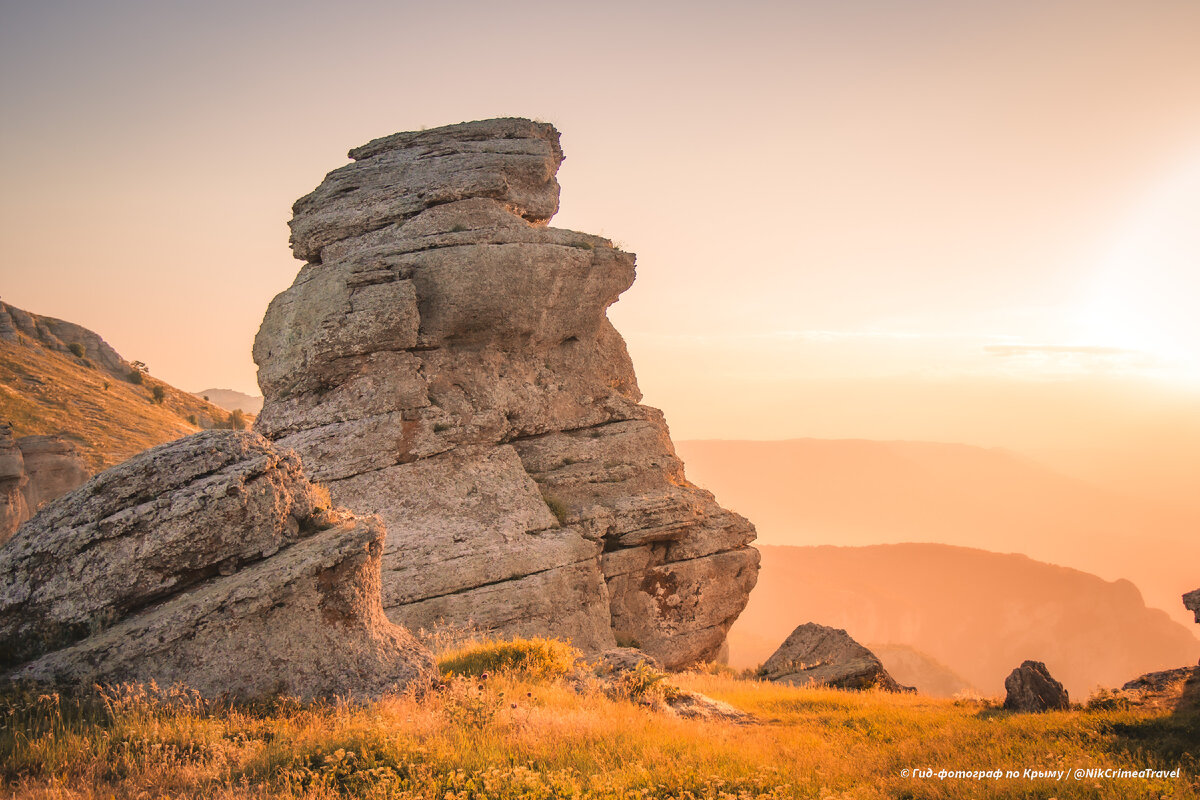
(33, 471)
(1031, 688)
(210, 561)
(821, 656)
(444, 360)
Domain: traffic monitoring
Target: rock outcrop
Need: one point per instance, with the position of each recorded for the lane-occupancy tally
(14, 509)
(821, 656)
(210, 561)
(1031, 688)
(1191, 601)
(444, 360)
(33, 471)
(54, 467)
(59, 335)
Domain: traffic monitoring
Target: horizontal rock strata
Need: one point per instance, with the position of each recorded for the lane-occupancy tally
(444, 360)
(210, 561)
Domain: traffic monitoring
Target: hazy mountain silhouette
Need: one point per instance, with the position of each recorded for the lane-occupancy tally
(855, 492)
(979, 614)
(231, 400)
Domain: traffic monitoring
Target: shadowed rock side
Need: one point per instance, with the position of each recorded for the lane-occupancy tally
(444, 360)
(33, 471)
(210, 561)
(1191, 601)
(826, 656)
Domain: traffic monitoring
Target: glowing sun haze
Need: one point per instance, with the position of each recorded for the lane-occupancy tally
(960, 221)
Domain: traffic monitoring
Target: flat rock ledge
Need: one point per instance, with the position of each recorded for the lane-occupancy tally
(209, 561)
(444, 360)
(822, 656)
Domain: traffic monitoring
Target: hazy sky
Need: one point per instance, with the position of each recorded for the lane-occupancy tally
(829, 200)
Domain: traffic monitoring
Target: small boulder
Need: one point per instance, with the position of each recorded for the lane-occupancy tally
(619, 660)
(815, 654)
(1031, 688)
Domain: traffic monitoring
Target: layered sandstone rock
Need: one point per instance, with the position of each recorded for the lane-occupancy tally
(33, 471)
(444, 360)
(822, 656)
(210, 561)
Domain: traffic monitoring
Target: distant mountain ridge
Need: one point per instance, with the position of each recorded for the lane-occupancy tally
(58, 378)
(862, 492)
(232, 400)
(978, 613)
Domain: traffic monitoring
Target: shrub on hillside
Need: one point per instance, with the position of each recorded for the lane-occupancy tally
(76, 349)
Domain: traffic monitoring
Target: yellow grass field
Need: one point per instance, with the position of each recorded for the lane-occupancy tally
(514, 735)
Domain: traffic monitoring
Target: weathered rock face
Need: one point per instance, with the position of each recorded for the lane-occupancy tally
(54, 467)
(14, 509)
(210, 561)
(1031, 688)
(444, 360)
(815, 654)
(33, 471)
(1191, 601)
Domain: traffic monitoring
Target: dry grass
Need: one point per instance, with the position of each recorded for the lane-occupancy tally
(46, 392)
(511, 736)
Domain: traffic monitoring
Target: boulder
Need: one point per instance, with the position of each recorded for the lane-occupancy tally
(1171, 690)
(444, 360)
(1191, 601)
(1030, 687)
(821, 656)
(210, 561)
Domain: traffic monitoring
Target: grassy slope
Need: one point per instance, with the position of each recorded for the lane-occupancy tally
(47, 392)
(516, 737)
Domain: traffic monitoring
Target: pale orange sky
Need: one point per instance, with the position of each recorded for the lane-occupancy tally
(941, 220)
